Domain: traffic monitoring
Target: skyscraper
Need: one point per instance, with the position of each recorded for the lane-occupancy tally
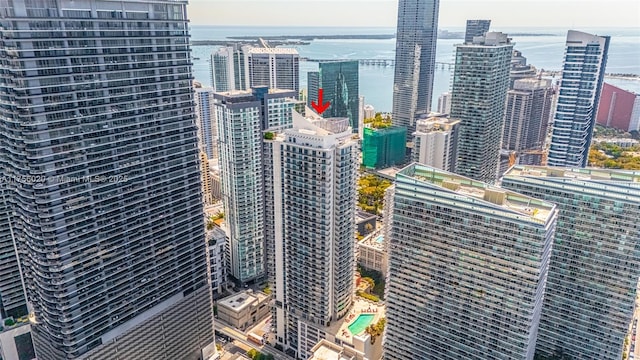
(580, 87)
(229, 68)
(475, 28)
(416, 38)
(240, 144)
(242, 116)
(444, 103)
(207, 133)
(520, 69)
(527, 115)
(435, 142)
(595, 263)
(480, 83)
(98, 137)
(276, 68)
(467, 268)
(339, 81)
(313, 176)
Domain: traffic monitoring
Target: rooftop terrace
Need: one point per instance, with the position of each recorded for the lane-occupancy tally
(535, 209)
(576, 174)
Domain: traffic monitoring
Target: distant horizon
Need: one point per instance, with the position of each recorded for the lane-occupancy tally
(452, 13)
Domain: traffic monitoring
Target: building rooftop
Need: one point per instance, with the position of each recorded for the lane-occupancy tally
(241, 300)
(325, 350)
(435, 123)
(374, 240)
(591, 174)
(537, 210)
(289, 51)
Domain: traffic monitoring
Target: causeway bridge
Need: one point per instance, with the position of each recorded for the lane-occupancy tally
(376, 62)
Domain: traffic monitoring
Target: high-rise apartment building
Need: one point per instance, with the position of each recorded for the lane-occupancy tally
(242, 117)
(468, 265)
(527, 115)
(575, 116)
(617, 108)
(475, 28)
(240, 145)
(520, 69)
(435, 142)
(480, 84)
(275, 68)
(417, 33)
(98, 138)
(207, 127)
(595, 263)
(339, 81)
(444, 103)
(312, 173)
(229, 68)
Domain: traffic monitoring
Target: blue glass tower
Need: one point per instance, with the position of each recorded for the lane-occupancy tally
(575, 116)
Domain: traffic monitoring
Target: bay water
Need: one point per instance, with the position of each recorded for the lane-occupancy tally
(543, 48)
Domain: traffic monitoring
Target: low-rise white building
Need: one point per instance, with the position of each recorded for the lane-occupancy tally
(244, 309)
(371, 252)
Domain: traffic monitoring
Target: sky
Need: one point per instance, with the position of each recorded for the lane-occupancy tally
(382, 13)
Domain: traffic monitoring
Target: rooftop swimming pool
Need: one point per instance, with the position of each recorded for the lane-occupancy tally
(361, 323)
(380, 239)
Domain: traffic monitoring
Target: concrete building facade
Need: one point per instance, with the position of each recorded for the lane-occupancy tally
(467, 268)
(244, 309)
(435, 142)
(527, 115)
(275, 68)
(313, 175)
(444, 103)
(229, 68)
(579, 95)
(595, 263)
(99, 131)
(240, 144)
(207, 127)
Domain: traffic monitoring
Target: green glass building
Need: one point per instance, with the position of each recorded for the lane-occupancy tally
(339, 81)
(383, 148)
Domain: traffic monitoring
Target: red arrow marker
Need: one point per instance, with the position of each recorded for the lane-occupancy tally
(319, 106)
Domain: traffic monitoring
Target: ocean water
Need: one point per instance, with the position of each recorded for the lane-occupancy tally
(376, 82)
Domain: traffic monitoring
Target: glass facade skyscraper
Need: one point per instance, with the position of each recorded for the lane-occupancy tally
(98, 139)
(475, 28)
(417, 33)
(339, 81)
(595, 263)
(480, 84)
(575, 116)
(468, 265)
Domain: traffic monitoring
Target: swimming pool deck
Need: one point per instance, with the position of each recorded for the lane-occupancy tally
(361, 306)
